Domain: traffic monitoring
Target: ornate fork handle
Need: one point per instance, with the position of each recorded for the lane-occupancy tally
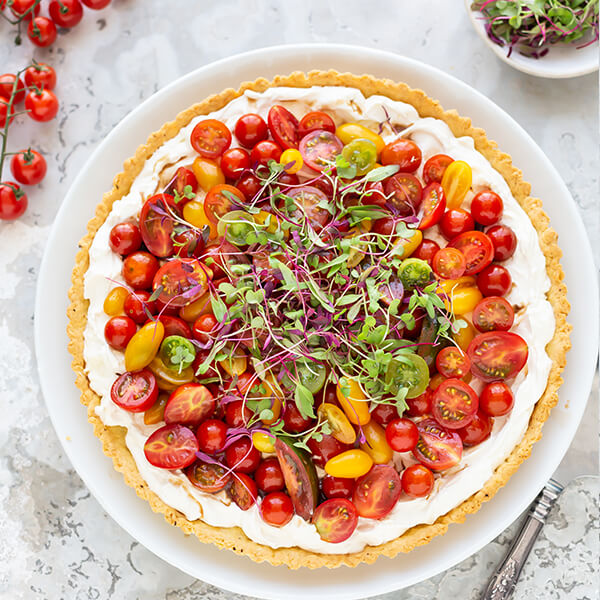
(503, 582)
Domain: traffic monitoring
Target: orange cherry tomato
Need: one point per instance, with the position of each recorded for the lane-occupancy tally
(456, 181)
(144, 345)
(208, 173)
(219, 201)
(353, 401)
(115, 300)
(155, 414)
(341, 429)
(376, 445)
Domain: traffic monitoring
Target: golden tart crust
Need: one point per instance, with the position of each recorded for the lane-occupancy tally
(113, 438)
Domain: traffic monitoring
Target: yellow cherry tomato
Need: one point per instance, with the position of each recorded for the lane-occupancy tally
(156, 413)
(169, 379)
(341, 429)
(456, 182)
(353, 401)
(235, 363)
(269, 220)
(350, 464)
(207, 172)
(263, 442)
(193, 213)
(356, 253)
(449, 285)
(464, 335)
(114, 301)
(293, 158)
(354, 131)
(376, 445)
(409, 244)
(144, 345)
(464, 300)
(190, 312)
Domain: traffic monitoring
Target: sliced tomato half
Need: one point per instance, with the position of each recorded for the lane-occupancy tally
(477, 249)
(309, 202)
(335, 520)
(157, 224)
(135, 392)
(437, 448)
(454, 403)
(377, 492)
(404, 192)
(208, 477)
(319, 149)
(182, 280)
(497, 355)
(283, 126)
(433, 205)
(220, 200)
(189, 404)
(171, 447)
(493, 312)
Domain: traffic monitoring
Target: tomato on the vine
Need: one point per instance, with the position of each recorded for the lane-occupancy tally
(28, 167)
(42, 32)
(41, 105)
(65, 13)
(6, 112)
(25, 8)
(40, 75)
(96, 4)
(13, 201)
(7, 82)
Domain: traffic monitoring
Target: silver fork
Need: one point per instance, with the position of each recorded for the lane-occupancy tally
(503, 582)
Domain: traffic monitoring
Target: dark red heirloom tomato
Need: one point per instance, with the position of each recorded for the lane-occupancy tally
(243, 490)
(477, 248)
(65, 13)
(402, 152)
(433, 205)
(277, 509)
(454, 403)
(497, 355)
(211, 435)
(189, 404)
(13, 201)
(377, 492)
(234, 162)
(486, 207)
(7, 82)
(135, 392)
(283, 126)
(417, 481)
(402, 435)
(315, 120)
(208, 477)
(496, 399)
(454, 222)
(157, 224)
(249, 184)
(125, 238)
(118, 331)
(384, 413)
(494, 280)
(41, 105)
(242, 456)
(210, 138)
(337, 487)
(269, 476)
(335, 520)
(182, 280)
(139, 270)
(42, 32)
(251, 129)
(477, 431)
(319, 149)
(405, 193)
(327, 448)
(175, 326)
(504, 241)
(493, 312)
(437, 448)
(426, 250)
(433, 169)
(40, 75)
(452, 362)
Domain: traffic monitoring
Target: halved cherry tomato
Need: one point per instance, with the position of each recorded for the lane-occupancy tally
(251, 129)
(437, 448)
(340, 426)
(449, 263)
(189, 404)
(242, 456)
(269, 476)
(277, 509)
(134, 391)
(453, 362)
(326, 449)
(307, 200)
(376, 445)
(319, 149)
(210, 138)
(348, 132)
(456, 221)
(486, 207)
(243, 490)
(456, 181)
(477, 248)
(315, 120)
(417, 481)
(220, 200)
(433, 205)
(353, 401)
(477, 430)
(212, 435)
(493, 312)
(283, 126)
(402, 152)
(157, 224)
(139, 270)
(504, 241)
(405, 193)
(454, 403)
(208, 477)
(220, 256)
(182, 280)
(496, 399)
(497, 355)
(125, 238)
(118, 331)
(167, 379)
(434, 167)
(337, 487)
(494, 280)
(183, 178)
(171, 447)
(377, 492)
(335, 520)
(402, 435)
(426, 250)
(144, 345)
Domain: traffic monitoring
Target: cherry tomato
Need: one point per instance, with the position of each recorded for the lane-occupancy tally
(134, 392)
(340, 426)
(65, 13)
(293, 421)
(189, 404)
(426, 250)
(277, 509)
(243, 490)
(492, 313)
(183, 181)
(144, 345)
(497, 355)
(403, 152)
(287, 178)
(41, 105)
(449, 263)
(456, 221)
(433, 206)
(437, 448)
(477, 248)
(384, 413)
(269, 476)
(203, 326)
(263, 152)
(335, 520)
(157, 224)
(283, 126)
(13, 201)
(139, 269)
(40, 75)
(249, 184)
(182, 280)
(337, 487)
(251, 129)
(402, 435)
(118, 331)
(477, 431)
(125, 238)
(210, 138)
(7, 82)
(211, 435)
(208, 477)
(220, 200)
(315, 120)
(433, 169)
(452, 362)
(417, 481)
(377, 492)
(348, 132)
(496, 399)
(6, 112)
(375, 444)
(307, 200)
(456, 182)
(237, 414)
(405, 193)
(326, 449)
(486, 207)
(25, 8)
(154, 414)
(96, 4)
(504, 241)
(454, 403)
(234, 162)
(494, 280)
(351, 463)
(421, 405)
(42, 32)
(319, 149)
(188, 243)
(115, 301)
(242, 456)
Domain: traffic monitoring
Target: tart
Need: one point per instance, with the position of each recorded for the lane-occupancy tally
(318, 319)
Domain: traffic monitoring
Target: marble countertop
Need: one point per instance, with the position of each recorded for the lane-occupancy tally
(57, 542)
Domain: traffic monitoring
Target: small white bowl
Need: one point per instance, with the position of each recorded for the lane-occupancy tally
(562, 61)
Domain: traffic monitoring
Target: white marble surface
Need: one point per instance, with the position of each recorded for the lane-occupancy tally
(56, 541)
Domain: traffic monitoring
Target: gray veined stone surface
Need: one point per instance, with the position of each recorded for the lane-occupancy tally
(56, 541)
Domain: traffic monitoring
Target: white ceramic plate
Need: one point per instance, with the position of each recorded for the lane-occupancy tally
(562, 62)
(226, 569)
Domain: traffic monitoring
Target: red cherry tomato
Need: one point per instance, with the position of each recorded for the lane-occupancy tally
(183, 178)
(28, 167)
(237, 414)
(96, 4)
(477, 431)
(319, 149)
(173, 325)
(208, 477)
(335, 520)
(269, 476)
(496, 399)
(497, 355)
(384, 413)
(13, 201)
(134, 392)
(251, 129)
(293, 421)
(283, 126)
(433, 206)
(6, 112)
(433, 169)
(486, 207)
(327, 448)
(25, 9)
(220, 200)
(277, 509)
(137, 307)
(210, 138)
(243, 490)
(188, 243)
(377, 492)
(139, 270)
(454, 403)
(456, 221)
(183, 280)
(157, 224)
(402, 435)
(426, 250)
(246, 381)
(242, 456)
(41, 105)
(315, 120)
(40, 75)
(189, 404)
(65, 13)
(118, 331)
(452, 362)
(249, 184)
(308, 200)
(417, 481)
(203, 326)
(504, 241)
(492, 313)
(7, 82)
(211, 435)
(263, 152)
(234, 162)
(437, 448)
(337, 487)
(125, 238)
(421, 405)
(404, 193)
(494, 280)
(402, 152)
(449, 263)
(477, 248)
(42, 32)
